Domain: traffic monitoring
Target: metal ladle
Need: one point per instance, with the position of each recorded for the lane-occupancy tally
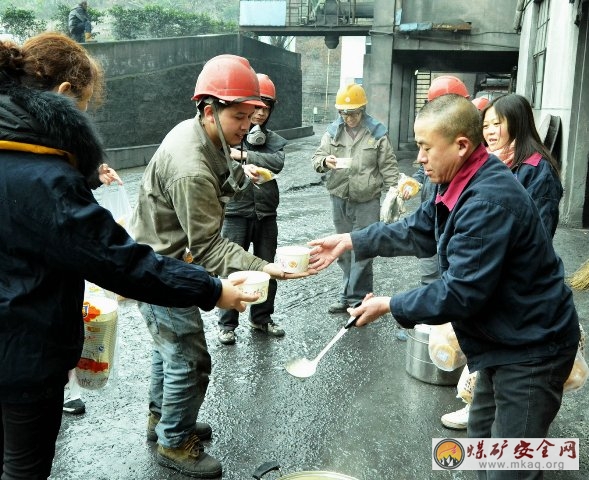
(303, 368)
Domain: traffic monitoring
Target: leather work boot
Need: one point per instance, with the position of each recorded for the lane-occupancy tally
(271, 328)
(338, 308)
(189, 460)
(202, 430)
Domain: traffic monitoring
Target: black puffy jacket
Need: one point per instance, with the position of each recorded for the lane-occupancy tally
(54, 235)
(262, 200)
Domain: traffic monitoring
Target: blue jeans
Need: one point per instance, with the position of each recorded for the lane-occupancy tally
(263, 235)
(347, 217)
(180, 369)
(518, 401)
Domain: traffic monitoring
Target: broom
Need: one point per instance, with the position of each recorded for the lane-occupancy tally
(580, 279)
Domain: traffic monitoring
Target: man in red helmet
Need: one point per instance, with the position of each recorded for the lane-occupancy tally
(179, 213)
(250, 216)
(445, 84)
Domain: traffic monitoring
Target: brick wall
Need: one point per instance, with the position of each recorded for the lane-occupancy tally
(321, 77)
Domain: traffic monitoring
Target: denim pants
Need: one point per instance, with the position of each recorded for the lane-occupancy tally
(263, 235)
(28, 432)
(347, 217)
(518, 401)
(180, 369)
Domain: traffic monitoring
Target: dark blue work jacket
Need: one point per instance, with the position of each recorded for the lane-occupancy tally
(502, 284)
(54, 235)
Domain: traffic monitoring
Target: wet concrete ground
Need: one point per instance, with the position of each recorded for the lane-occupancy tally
(361, 414)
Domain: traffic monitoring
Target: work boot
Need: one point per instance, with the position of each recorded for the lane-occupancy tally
(271, 328)
(456, 420)
(338, 308)
(227, 337)
(189, 460)
(203, 430)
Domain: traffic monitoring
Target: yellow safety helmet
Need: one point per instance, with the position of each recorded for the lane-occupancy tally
(350, 97)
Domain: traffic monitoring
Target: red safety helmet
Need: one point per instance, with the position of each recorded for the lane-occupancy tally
(445, 84)
(481, 103)
(229, 78)
(267, 88)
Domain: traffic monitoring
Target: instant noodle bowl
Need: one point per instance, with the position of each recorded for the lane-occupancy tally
(293, 259)
(100, 316)
(255, 283)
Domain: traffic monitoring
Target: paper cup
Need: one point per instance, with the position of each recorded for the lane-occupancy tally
(343, 162)
(255, 282)
(293, 259)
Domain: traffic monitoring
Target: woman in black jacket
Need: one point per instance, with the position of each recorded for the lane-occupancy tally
(53, 236)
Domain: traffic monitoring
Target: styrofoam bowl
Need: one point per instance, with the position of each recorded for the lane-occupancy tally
(294, 259)
(255, 282)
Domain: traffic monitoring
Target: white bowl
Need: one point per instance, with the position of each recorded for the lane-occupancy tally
(343, 162)
(255, 282)
(293, 259)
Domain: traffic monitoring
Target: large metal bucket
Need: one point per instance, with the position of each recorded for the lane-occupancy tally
(418, 363)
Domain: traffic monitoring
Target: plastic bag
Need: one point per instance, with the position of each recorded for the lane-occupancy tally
(100, 351)
(114, 199)
(408, 185)
(392, 207)
(444, 350)
(579, 373)
(465, 386)
(576, 380)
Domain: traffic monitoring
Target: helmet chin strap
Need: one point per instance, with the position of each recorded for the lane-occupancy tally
(237, 179)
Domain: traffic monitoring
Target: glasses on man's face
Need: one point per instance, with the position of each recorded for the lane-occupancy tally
(350, 113)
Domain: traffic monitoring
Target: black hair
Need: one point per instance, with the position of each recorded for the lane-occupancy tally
(517, 111)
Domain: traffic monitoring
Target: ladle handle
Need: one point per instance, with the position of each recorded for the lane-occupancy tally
(352, 321)
(329, 345)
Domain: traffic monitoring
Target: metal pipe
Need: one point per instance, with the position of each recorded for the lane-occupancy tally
(326, 84)
(519, 11)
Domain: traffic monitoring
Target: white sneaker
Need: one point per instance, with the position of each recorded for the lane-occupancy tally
(456, 420)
